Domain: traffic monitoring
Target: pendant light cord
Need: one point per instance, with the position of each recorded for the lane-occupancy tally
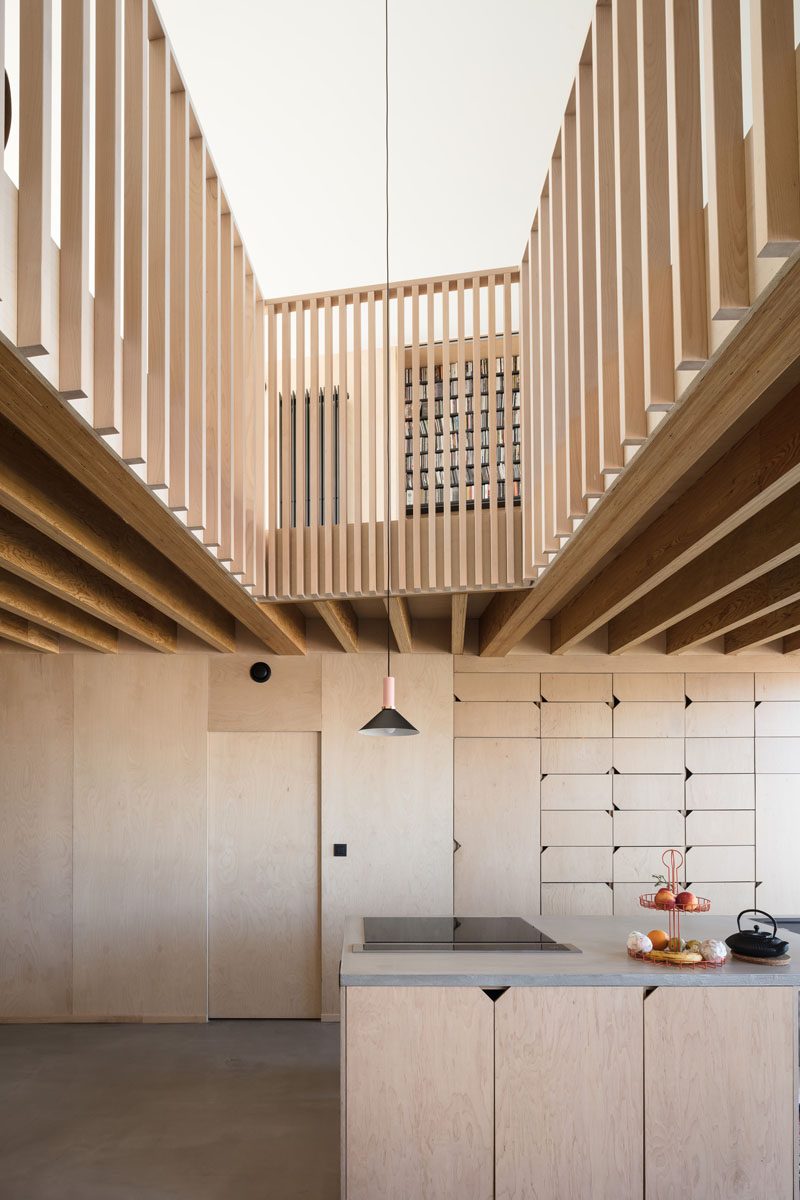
(388, 515)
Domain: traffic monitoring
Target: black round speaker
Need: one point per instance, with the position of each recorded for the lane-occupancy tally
(260, 672)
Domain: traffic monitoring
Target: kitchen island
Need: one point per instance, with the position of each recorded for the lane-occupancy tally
(557, 1075)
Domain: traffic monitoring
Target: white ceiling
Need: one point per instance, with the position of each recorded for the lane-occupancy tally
(290, 95)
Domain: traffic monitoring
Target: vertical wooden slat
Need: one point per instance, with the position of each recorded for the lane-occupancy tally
(300, 450)
(572, 286)
(158, 283)
(327, 561)
(213, 401)
(591, 476)
(372, 402)
(446, 580)
(74, 364)
(34, 337)
(606, 241)
(314, 580)
(272, 451)
(776, 170)
(250, 428)
(416, 552)
(358, 438)
(545, 464)
(400, 429)
(463, 562)
(508, 430)
(237, 409)
(344, 462)
(559, 447)
(430, 524)
(196, 508)
(729, 289)
(286, 450)
(633, 416)
(259, 397)
(491, 366)
(226, 390)
(134, 364)
(179, 303)
(659, 375)
(107, 386)
(687, 226)
(477, 508)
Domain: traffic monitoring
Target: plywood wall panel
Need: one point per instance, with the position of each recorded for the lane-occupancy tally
(733, 685)
(648, 791)
(649, 719)
(140, 835)
(638, 864)
(720, 791)
(574, 687)
(291, 701)
(778, 755)
(36, 841)
(719, 719)
(778, 719)
(654, 756)
(778, 824)
(263, 875)
(576, 864)
(726, 897)
(576, 792)
(576, 756)
(719, 756)
(391, 800)
(648, 687)
(649, 828)
(721, 864)
(577, 900)
(472, 686)
(777, 687)
(576, 829)
(493, 720)
(715, 827)
(576, 719)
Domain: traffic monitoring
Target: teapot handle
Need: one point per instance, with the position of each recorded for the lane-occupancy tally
(758, 912)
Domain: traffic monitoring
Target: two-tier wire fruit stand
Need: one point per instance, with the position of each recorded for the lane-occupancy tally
(673, 861)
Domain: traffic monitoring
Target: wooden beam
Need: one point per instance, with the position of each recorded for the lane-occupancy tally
(778, 623)
(39, 492)
(767, 540)
(340, 617)
(32, 604)
(30, 555)
(764, 595)
(458, 621)
(791, 644)
(758, 365)
(33, 406)
(759, 468)
(400, 621)
(23, 633)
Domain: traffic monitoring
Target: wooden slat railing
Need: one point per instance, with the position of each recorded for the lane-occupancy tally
(454, 464)
(632, 275)
(162, 350)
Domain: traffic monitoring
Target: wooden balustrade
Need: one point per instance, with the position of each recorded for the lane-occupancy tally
(162, 351)
(453, 450)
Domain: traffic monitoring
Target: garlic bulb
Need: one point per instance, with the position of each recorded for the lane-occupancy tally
(712, 949)
(639, 942)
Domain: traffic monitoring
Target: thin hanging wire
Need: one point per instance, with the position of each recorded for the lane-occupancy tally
(388, 514)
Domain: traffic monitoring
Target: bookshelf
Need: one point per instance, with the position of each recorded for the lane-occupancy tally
(436, 409)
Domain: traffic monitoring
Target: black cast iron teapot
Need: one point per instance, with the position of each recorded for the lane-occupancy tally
(755, 942)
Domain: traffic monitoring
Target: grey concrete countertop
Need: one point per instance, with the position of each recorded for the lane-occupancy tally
(604, 960)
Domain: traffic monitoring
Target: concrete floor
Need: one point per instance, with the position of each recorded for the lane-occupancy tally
(232, 1110)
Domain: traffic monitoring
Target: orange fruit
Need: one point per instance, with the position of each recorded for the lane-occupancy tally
(659, 939)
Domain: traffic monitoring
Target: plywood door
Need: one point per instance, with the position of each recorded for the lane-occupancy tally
(720, 1092)
(557, 1050)
(419, 1093)
(263, 868)
(496, 822)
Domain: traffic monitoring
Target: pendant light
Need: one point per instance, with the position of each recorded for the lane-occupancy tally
(388, 722)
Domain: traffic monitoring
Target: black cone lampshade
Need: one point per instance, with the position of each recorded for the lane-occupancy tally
(389, 722)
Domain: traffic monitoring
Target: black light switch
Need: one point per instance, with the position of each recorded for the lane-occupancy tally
(340, 849)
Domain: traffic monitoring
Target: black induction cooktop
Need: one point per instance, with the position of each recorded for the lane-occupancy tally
(416, 935)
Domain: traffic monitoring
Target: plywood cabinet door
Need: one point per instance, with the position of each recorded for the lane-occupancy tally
(720, 1092)
(419, 1093)
(263, 870)
(568, 1093)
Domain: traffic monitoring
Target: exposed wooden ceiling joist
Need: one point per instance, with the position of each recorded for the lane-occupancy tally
(24, 633)
(756, 367)
(32, 604)
(400, 621)
(756, 599)
(458, 622)
(778, 623)
(767, 540)
(342, 621)
(26, 552)
(791, 644)
(41, 493)
(36, 409)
